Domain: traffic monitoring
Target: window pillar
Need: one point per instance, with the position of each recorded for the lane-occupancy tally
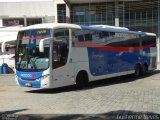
(67, 14)
(116, 13)
(25, 20)
(1, 22)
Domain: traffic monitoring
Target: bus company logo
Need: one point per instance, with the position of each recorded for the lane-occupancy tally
(94, 55)
(26, 75)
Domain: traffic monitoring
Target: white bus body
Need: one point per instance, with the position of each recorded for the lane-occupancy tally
(70, 55)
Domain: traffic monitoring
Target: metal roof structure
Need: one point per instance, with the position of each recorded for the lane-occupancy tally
(92, 1)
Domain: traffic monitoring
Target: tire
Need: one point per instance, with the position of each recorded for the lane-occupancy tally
(144, 69)
(137, 70)
(82, 80)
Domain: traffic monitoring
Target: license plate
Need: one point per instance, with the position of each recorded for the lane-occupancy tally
(28, 85)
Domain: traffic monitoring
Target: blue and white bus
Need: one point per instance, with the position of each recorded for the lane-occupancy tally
(55, 55)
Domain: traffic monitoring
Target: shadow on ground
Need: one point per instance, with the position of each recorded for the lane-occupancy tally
(99, 83)
(113, 115)
(13, 111)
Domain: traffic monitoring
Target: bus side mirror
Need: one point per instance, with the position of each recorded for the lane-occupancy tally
(42, 41)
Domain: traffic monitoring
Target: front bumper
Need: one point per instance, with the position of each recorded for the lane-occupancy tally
(33, 84)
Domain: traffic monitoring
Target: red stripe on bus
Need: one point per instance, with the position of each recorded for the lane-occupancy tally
(33, 38)
(115, 49)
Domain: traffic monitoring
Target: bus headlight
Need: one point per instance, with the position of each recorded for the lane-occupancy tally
(18, 78)
(43, 77)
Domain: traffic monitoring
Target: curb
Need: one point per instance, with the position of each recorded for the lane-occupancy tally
(7, 74)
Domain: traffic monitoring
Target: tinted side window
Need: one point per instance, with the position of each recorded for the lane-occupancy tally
(120, 44)
(81, 36)
(134, 42)
(148, 40)
(123, 40)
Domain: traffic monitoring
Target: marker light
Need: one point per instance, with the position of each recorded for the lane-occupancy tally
(43, 77)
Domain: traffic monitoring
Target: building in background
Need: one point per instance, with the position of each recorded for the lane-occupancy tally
(28, 12)
(140, 15)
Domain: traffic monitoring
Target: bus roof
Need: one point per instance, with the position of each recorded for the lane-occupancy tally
(51, 25)
(113, 30)
(151, 34)
(108, 26)
(104, 28)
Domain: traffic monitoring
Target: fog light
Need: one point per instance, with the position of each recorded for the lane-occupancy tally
(43, 77)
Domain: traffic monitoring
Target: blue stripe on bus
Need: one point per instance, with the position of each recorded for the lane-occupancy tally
(111, 30)
(107, 62)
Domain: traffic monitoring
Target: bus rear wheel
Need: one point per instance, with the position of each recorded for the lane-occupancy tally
(82, 80)
(137, 70)
(144, 69)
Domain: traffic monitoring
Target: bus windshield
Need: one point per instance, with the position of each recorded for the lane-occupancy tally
(28, 57)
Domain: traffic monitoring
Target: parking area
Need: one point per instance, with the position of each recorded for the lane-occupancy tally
(117, 98)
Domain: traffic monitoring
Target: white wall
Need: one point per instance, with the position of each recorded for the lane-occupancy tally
(29, 8)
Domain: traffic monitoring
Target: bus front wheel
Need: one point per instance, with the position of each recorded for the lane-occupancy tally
(82, 79)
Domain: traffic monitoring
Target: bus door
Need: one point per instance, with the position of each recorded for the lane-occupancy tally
(63, 72)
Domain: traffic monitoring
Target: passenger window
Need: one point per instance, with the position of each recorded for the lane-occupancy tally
(148, 40)
(60, 47)
(81, 36)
